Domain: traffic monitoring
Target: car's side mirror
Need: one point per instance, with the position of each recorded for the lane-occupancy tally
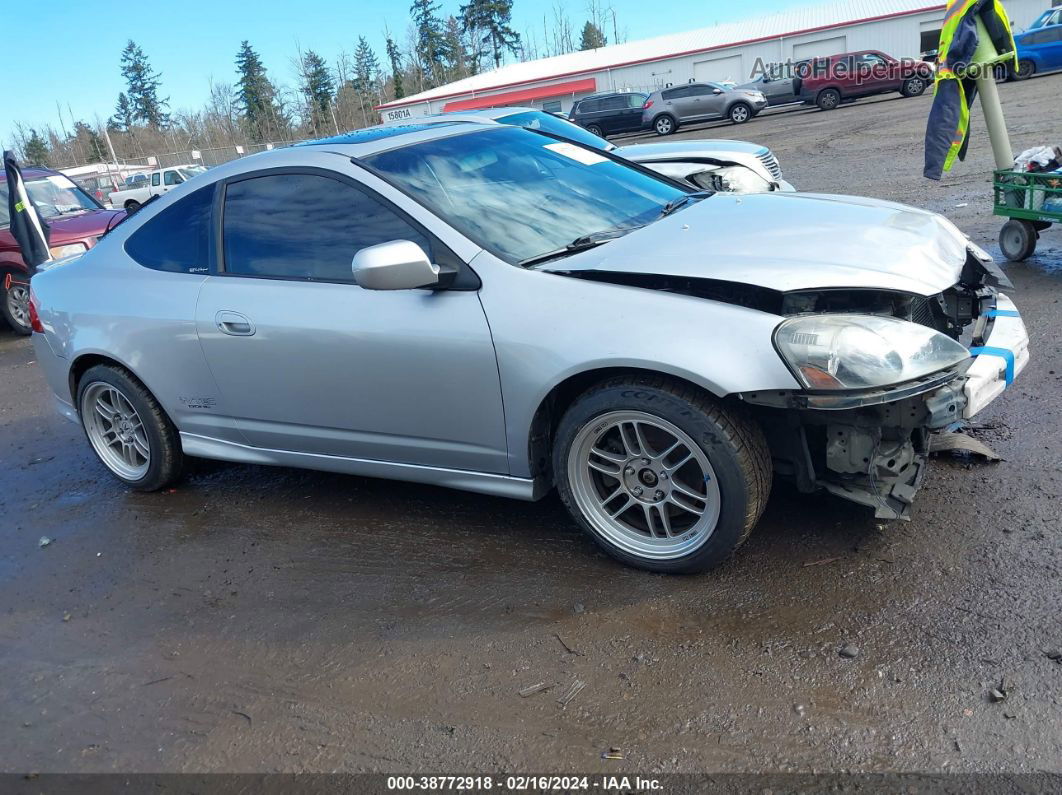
(395, 265)
(717, 91)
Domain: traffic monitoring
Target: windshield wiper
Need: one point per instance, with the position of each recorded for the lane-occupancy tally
(579, 244)
(681, 201)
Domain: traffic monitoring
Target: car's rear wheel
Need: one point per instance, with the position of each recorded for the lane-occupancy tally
(595, 130)
(131, 206)
(664, 125)
(1017, 240)
(740, 113)
(128, 429)
(828, 99)
(660, 475)
(914, 87)
(14, 305)
(1025, 70)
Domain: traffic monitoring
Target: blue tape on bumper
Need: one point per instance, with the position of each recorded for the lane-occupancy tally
(1003, 313)
(1003, 353)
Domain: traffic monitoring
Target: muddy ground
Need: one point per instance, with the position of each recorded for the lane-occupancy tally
(263, 619)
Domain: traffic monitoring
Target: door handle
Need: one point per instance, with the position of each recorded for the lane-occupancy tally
(233, 323)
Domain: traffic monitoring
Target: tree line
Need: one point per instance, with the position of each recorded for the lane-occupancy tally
(327, 97)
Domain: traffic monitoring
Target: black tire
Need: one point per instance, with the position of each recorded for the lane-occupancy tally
(665, 124)
(131, 206)
(914, 87)
(14, 305)
(733, 443)
(1025, 70)
(1017, 240)
(740, 113)
(164, 442)
(593, 129)
(828, 99)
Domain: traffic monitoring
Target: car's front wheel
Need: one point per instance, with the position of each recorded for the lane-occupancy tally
(740, 113)
(661, 476)
(914, 87)
(664, 125)
(128, 429)
(14, 305)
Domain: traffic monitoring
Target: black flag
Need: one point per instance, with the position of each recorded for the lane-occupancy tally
(30, 231)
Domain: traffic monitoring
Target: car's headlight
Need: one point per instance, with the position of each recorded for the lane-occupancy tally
(732, 179)
(68, 250)
(863, 351)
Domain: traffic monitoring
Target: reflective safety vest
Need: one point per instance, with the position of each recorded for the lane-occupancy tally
(948, 130)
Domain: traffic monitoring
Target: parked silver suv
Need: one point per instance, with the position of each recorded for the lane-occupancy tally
(668, 108)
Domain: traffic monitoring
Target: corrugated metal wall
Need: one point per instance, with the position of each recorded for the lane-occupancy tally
(900, 37)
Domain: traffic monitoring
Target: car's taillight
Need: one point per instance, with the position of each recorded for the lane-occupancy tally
(648, 104)
(35, 319)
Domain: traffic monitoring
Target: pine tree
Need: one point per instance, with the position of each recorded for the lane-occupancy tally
(143, 87)
(592, 37)
(319, 87)
(395, 57)
(431, 41)
(95, 150)
(257, 97)
(36, 150)
(489, 21)
(124, 116)
(366, 68)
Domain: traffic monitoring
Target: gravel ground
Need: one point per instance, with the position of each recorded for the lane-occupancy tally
(261, 619)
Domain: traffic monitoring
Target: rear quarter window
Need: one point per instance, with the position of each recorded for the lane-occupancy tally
(177, 239)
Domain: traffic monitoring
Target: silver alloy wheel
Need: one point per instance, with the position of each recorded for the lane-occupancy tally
(18, 304)
(663, 125)
(115, 430)
(644, 485)
(830, 100)
(739, 114)
(915, 86)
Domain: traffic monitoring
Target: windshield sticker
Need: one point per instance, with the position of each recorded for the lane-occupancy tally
(577, 153)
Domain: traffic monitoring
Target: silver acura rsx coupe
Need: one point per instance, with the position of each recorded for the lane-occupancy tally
(495, 309)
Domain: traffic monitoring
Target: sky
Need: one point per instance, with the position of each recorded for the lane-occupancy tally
(68, 51)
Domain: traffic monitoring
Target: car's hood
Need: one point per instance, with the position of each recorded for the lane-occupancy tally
(681, 150)
(790, 241)
(68, 228)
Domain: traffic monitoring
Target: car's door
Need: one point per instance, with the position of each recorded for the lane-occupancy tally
(307, 361)
(630, 118)
(712, 100)
(879, 74)
(1050, 47)
(171, 179)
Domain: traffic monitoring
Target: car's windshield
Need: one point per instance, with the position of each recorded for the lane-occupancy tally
(537, 120)
(522, 195)
(190, 171)
(53, 195)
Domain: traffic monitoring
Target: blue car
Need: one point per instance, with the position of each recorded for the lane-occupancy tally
(1040, 48)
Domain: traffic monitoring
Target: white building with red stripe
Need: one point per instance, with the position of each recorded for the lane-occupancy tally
(732, 51)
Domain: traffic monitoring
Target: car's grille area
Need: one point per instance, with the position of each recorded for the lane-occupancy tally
(770, 162)
(922, 312)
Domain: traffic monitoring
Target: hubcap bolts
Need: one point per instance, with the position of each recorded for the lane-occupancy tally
(659, 495)
(637, 492)
(629, 471)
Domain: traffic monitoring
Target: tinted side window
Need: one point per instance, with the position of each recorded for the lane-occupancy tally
(178, 238)
(613, 103)
(635, 100)
(589, 106)
(305, 226)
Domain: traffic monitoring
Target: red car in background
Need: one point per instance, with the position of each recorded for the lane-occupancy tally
(77, 222)
(828, 81)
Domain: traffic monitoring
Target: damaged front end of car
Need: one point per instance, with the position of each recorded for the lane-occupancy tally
(881, 370)
(862, 431)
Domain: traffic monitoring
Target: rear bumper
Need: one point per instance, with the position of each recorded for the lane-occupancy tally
(56, 373)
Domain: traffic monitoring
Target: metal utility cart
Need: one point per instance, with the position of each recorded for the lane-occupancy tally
(1032, 202)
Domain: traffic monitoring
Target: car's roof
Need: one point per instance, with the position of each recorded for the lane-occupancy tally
(370, 140)
(31, 172)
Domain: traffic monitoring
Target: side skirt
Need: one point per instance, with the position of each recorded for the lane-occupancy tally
(479, 482)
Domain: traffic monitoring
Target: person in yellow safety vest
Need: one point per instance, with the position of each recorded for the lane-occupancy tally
(947, 134)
